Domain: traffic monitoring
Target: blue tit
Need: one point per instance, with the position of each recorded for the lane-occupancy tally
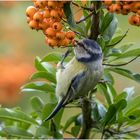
(80, 75)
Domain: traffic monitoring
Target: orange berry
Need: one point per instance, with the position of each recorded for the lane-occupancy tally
(60, 35)
(57, 26)
(54, 14)
(28, 19)
(33, 24)
(134, 20)
(126, 9)
(51, 42)
(38, 16)
(138, 12)
(44, 25)
(70, 35)
(52, 4)
(46, 13)
(117, 8)
(64, 42)
(30, 11)
(50, 32)
(107, 2)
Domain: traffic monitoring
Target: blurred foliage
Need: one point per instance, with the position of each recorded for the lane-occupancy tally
(116, 117)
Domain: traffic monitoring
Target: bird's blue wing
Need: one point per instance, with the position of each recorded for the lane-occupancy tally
(69, 96)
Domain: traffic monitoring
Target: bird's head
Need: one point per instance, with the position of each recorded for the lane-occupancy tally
(87, 51)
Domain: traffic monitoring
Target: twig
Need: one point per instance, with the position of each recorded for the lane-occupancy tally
(119, 40)
(85, 18)
(78, 106)
(85, 8)
(119, 65)
(95, 22)
(87, 121)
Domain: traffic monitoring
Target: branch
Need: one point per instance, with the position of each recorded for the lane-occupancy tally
(87, 121)
(85, 18)
(85, 8)
(95, 22)
(119, 65)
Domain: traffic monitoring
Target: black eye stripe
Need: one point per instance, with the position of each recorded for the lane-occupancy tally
(82, 45)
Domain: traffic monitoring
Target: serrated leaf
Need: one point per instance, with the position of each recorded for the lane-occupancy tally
(44, 74)
(16, 115)
(39, 86)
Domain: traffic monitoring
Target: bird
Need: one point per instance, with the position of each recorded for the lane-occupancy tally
(80, 75)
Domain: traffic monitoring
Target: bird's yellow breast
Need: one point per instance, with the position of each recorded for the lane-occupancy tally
(65, 76)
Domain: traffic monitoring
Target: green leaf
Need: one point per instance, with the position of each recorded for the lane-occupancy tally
(44, 74)
(106, 22)
(48, 108)
(132, 105)
(103, 89)
(38, 64)
(49, 67)
(16, 115)
(52, 57)
(75, 130)
(98, 111)
(109, 32)
(39, 86)
(110, 115)
(121, 105)
(126, 73)
(37, 104)
(108, 77)
(42, 132)
(69, 14)
(131, 53)
(111, 90)
(70, 121)
(17, 132)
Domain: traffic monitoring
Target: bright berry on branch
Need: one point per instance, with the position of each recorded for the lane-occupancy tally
(47, 16)
(125, 7)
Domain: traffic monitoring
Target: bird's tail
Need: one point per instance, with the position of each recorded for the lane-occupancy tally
(56, 109)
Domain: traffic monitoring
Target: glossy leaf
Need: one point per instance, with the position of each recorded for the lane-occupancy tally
(75, 130)
(17, 132)
(106, 22)
(69, 14)
(126, 73)
(39, 86)
(44, 74)
(17, 115)
(69, 122)
(37, 104)
(52, 57)
(38, 64)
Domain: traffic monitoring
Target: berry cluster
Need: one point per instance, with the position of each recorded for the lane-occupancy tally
(47, 16)
(125, 7)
